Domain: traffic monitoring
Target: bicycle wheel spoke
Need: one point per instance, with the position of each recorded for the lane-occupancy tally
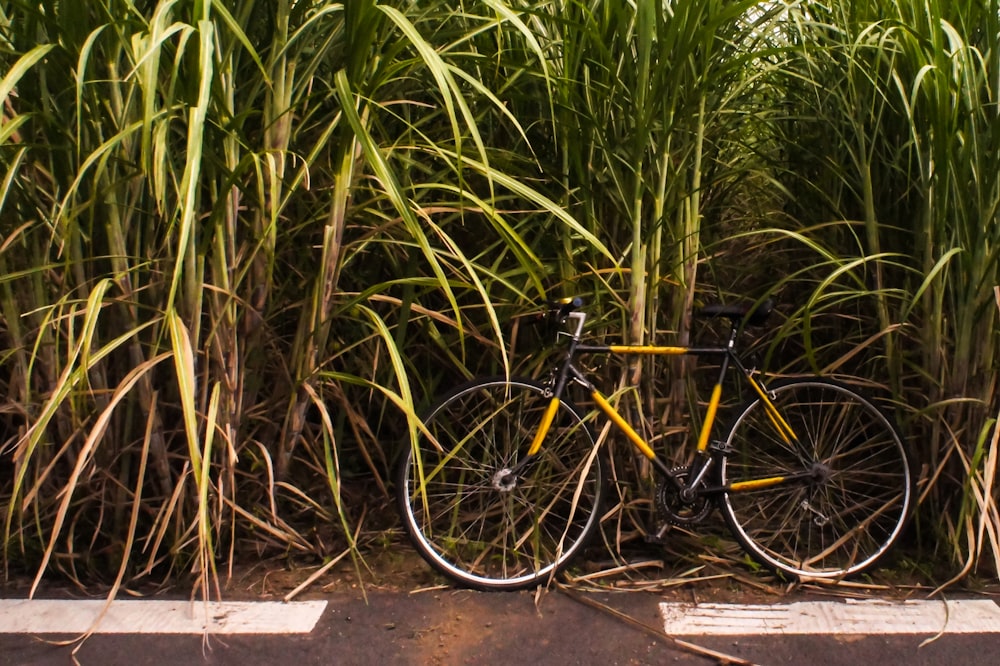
(850, 511)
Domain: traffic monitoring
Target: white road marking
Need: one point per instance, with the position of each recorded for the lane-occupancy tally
(829, 617)
(50, 616)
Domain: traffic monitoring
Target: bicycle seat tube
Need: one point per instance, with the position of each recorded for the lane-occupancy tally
(560, 383)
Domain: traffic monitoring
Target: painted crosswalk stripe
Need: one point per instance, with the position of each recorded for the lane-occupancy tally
(827, 617)
(48, 616)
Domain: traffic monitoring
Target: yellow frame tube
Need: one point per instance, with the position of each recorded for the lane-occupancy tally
(706, 427)
(780, 424)
(543, 427)
(649, 350)
(623, 425)
(740, 486)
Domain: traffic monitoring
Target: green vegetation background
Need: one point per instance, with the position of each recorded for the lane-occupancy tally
(243, 243)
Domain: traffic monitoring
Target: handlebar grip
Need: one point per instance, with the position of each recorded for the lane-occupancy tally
(567, 305)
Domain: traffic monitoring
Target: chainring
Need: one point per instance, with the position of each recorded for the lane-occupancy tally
(673, 509)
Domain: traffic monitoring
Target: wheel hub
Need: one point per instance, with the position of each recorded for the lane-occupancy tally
(505, 480)
(820, 473)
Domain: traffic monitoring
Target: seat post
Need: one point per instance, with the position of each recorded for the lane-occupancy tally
(734, 333)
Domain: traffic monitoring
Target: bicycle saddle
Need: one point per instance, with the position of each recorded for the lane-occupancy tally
(752, 316)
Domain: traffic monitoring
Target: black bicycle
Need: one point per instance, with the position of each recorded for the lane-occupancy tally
(505, 482)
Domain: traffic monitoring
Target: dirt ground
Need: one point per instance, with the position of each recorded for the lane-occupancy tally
(397, 567)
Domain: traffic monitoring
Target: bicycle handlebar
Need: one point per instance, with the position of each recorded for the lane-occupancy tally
(557, 312)
(564, 306)
(744, 314)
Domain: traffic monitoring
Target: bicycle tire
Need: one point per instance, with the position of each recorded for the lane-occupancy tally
(839, 523)
(489, 534)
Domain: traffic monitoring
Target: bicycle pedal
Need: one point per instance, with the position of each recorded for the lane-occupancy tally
(659, 538)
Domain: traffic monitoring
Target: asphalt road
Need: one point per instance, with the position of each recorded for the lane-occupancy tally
(462, 627)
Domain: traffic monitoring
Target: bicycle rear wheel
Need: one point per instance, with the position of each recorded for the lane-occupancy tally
(473, 520)
(851, 508)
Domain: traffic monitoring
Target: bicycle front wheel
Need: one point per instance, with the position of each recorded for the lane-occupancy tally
(853, 486)
(475, 516)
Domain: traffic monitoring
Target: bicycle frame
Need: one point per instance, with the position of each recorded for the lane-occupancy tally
(567, 372)
(811, 478)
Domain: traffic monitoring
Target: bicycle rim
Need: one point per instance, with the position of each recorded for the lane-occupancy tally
(474, 525)
(847, 516)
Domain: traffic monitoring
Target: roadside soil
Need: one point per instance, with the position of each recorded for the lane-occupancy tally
(693, 575)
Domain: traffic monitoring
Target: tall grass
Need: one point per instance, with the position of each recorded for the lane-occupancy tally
(242, 243)
(221, 224)
(652, 139)
(897, 102)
